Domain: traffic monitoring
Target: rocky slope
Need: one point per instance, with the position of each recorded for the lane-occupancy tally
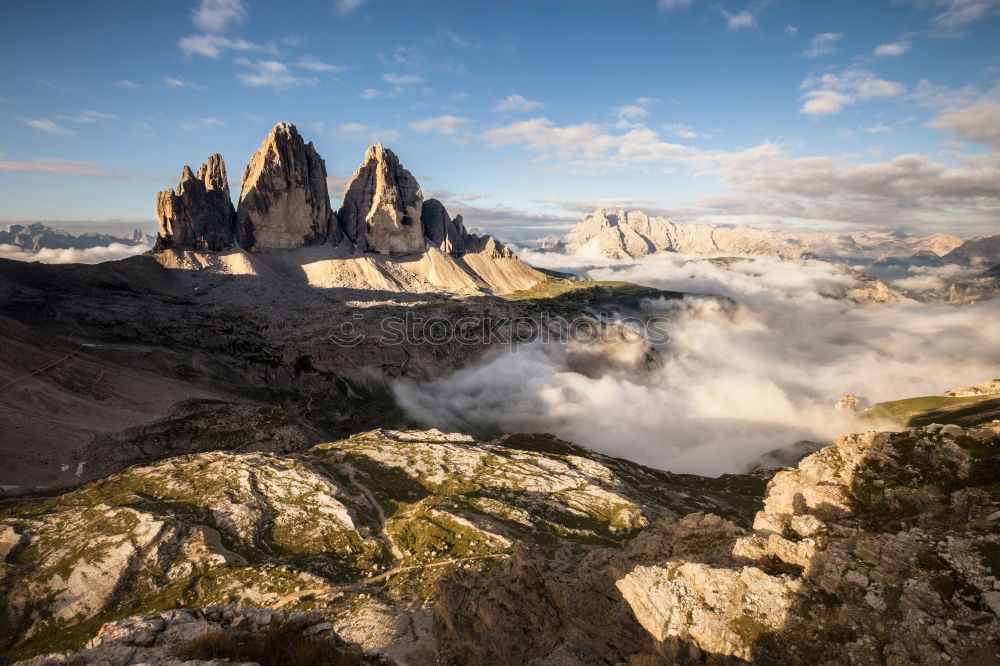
(880, 549)
(358, 529)
(983, 251)
(141, 362)
(213, 636)
(37, 236)
(434, 548)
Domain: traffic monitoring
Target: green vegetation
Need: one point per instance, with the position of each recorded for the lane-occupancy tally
(965, 411)
(553, 287)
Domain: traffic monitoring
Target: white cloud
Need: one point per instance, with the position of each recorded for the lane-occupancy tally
(56, 165)
(460, 41)
(93, 255)
(892, 49)
(348, 6)
(270, 73)
(790, 354)
(880, 128)
(371, 93)
(958, 13)
(744, 19)
(515, 102)
(444, 125)
(317, 65)
(89, 117)
(830, 93)
(630, 115)
(45, 125)
(930, 95)
(125, 83)
(822, 44)
(587, 145)
(670, 5)
(791, 30)
(212, 46)
(402, 79)
(216, 15)
(351, 129)
(202, 123)
(373, 134)
(978, 120)
(175, 82)
(685, 131)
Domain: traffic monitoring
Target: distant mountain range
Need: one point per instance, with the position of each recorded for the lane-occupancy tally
(621, 234)
(37, 236)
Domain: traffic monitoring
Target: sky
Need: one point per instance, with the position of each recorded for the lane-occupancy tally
(522, 116)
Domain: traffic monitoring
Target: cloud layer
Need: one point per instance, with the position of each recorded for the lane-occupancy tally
(737, 381)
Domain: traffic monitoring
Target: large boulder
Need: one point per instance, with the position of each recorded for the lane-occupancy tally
(383, 205)
(284, 202)
(199, 215)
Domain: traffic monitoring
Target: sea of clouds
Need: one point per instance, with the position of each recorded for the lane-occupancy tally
(742, 375)
(92, 255)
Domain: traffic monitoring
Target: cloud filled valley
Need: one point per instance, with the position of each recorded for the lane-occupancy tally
(739, 377)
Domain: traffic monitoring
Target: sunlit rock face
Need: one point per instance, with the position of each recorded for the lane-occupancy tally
(199, 215)
(383, 205)
(284, 202)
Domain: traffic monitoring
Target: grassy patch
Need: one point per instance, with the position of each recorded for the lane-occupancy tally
(914, 412)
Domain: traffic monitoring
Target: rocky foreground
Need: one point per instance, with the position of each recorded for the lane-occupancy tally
(433, 548)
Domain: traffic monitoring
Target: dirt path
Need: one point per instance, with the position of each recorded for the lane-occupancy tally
(347, 587)
(397, 555)
(42, 369)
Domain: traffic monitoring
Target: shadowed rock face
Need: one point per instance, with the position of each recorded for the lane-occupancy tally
(440, 230)
(284, 202)
(200, 214)
(383, 205)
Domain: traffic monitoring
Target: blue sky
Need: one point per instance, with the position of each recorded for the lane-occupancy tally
(520, 115)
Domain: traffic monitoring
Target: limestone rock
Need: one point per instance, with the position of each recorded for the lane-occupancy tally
(622, 234)
(848, 403)
(200, 214)
(284, 202)
(383, 205)
(156, 638)
(441, 231)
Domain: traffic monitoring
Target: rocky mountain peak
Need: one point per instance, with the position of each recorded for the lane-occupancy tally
(213, 174)
(442, 231)
(382, 205)
(199, 215)
(284, 202)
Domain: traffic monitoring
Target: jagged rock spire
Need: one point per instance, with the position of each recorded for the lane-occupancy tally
(382, 205)
(284, 202)
(200, 214)
(441, 231)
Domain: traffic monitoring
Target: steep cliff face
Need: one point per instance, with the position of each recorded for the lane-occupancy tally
(383, 205)
(284, 202)
(199, 215)
(443, 232)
